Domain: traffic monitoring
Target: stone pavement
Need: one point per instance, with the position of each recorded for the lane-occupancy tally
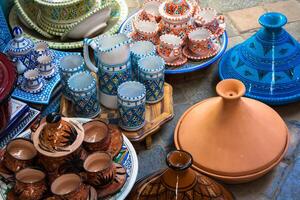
(283, 183)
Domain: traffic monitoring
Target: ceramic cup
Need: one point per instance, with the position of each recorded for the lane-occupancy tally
(46, 66)
(84, 95)
(151, 74)
(96, 136)
(32, 81)
(19, 154)
(140, 49)
(30, 184)
(170, 47)
(70, 186)
(208, 18)
(99, 169)
(131, 103)
(68, 66)
(145, 30)
(201, 42)
(150, 10)
(42, 49)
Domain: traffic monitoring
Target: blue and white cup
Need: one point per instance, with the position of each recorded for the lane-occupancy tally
(68, 66)
(32, 81)
(84, 95)
(132, 105)
(46, 66)
(41, 48)
(151, 74)
(140, 49)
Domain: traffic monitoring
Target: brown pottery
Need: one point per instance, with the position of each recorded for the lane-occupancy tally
(232, 138)
(179, 182)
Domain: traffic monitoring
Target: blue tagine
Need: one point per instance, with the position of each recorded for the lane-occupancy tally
(268, 63)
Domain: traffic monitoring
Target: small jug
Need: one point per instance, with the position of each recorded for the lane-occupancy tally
(113, 66)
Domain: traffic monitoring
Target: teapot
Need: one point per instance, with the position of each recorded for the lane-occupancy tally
(113, 66)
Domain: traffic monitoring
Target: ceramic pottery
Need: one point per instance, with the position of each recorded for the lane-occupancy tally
(140, 49)
(113, 65)
(208, 18)
(179, 181)
(96, 136)
(170, 48)
(150, 11)
(83, 89)
(42, 49)
(202, 43)
(5, 35)
(46, 66)
(30, 184)
(216, 135)
(267, 63)
(32, 82)
(145, 30)
(21, 49)
(19, 154)
(68, 66)
(151, 74)
(131, 103)
(8, 77)
(99, 169)
(70, 186)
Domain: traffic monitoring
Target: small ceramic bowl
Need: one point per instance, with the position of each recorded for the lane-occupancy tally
(33, 82)
(170, 47)
(145, 30)
(46, 66)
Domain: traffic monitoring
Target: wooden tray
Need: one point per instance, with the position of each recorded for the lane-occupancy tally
(156, 115)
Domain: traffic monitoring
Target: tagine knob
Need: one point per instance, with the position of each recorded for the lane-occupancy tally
(17, 32)
(53, 118)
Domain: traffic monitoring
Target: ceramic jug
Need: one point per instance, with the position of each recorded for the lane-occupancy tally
(112, 55)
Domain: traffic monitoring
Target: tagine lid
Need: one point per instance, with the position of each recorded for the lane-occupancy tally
(8, 76)
(179, 180)
(231, 135)
(58, 136)
(19, 45)
(268, 63)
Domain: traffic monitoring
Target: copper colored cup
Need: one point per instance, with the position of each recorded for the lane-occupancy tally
(19, 154)
(96, 136)
(99, 169)
(30, 184)
(70, 186)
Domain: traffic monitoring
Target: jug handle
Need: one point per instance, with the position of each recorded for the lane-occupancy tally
(86, 43)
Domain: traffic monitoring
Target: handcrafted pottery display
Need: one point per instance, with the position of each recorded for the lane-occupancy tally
(170, 49)
(32, 82)
(30, 184)
(5, 35)
(8, 77)
(267, 63)
(179, 181)
(151, 74)
(46, 66)
(113, 65)
(225, 145)
(21, 49)
(140, 49)
(208, 18)
(19, 154)
(150, 10)
(28, 11)
(69, 65)
(84, 94)
(145, 30)
(131, 103)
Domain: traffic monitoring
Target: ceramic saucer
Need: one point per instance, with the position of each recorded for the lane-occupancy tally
(116, 185)
(34, 90)
(50, 74)
(116, 140)
(186, 51)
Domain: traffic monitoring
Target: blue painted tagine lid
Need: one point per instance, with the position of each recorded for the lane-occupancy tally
(268, 63)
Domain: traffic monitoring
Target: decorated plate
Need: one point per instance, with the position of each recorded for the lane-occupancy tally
(127, 158)
(190, 66)
(118, 15)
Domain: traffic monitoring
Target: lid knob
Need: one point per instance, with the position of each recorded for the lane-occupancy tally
(179, 160)
(17, 32)
(272, 20)
(231, 89)
(53, 118)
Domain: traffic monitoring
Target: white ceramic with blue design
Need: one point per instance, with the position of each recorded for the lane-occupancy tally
(151, 74)
(68, 66)
(32, 81)
(112, 53)
(140, 49)
(132, 105)
(46, 66)
(42, 49)
(84, 95)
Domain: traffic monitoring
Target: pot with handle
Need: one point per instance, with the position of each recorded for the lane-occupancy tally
(113, 67)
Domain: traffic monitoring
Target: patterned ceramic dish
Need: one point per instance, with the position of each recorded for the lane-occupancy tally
(118, 15)
(127, 158)
(127, 28)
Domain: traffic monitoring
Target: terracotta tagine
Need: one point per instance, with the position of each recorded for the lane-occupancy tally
(268, 63)
(179, 181)
(232, 138)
